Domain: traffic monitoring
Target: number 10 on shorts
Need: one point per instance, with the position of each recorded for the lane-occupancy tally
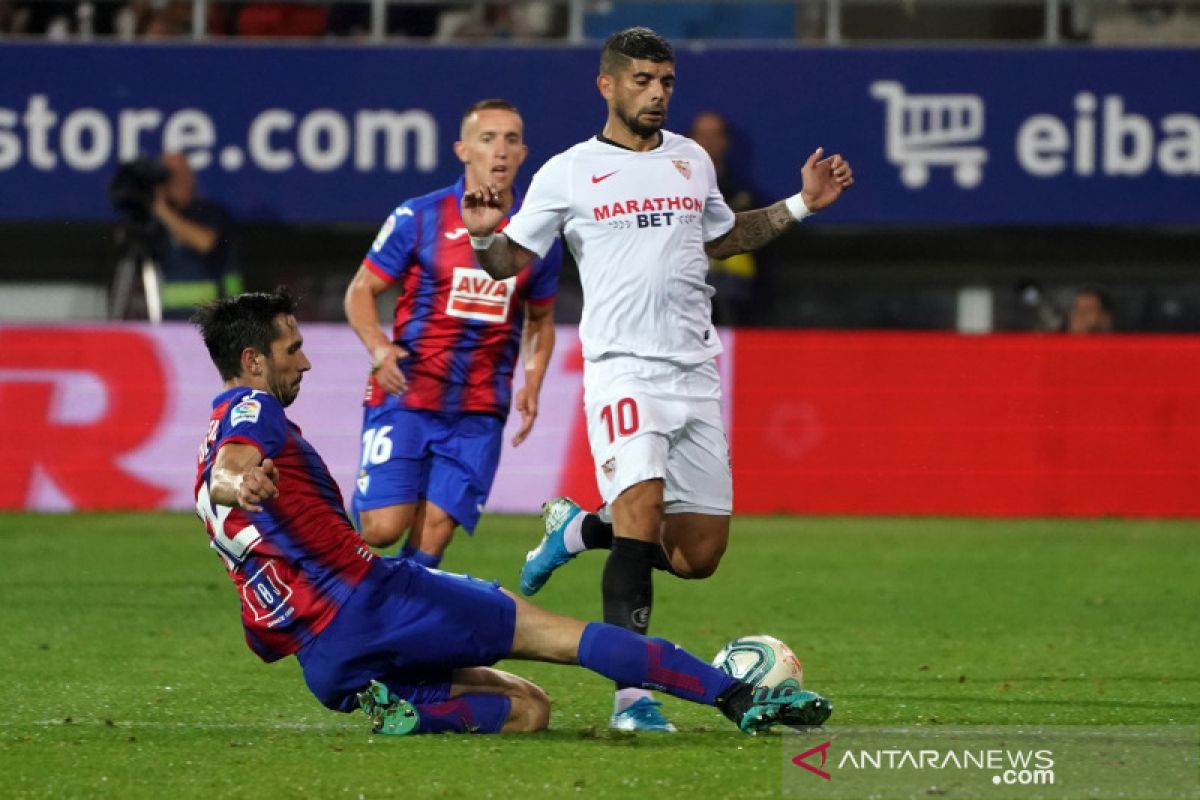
(620, 418)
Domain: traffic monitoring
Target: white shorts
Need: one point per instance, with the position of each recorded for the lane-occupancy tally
(654, 419)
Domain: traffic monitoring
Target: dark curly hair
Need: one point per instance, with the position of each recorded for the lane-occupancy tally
(634, 43)
(232, 324)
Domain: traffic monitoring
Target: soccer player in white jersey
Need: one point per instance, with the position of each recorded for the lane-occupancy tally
(640, 209)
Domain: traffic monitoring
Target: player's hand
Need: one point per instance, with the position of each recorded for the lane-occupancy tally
(385, 366)
(259, 484)
(527, 405)
(484, 209)
(824, 179)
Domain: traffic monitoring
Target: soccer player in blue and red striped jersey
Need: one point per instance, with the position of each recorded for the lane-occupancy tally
(440, 387)
(412, 647)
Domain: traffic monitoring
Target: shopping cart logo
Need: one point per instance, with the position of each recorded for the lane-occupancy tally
(932, 130)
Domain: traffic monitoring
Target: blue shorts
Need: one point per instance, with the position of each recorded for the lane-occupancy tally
(408, 627)
(409, 455)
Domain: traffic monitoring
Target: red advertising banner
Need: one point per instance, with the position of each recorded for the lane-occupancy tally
(1011, 425)
(107, 417)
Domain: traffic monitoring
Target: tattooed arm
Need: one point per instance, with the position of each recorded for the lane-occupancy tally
(503, 258)
(824, 181)
(751, 230)
(482, 211)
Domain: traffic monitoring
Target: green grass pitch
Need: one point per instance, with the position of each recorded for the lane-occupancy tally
(123, 672)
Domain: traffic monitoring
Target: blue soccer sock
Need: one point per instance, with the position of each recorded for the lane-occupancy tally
(467, 713)
(425, 559)
(634, 660)
(406, 550)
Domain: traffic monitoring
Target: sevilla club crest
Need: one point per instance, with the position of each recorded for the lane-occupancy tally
(684, 167)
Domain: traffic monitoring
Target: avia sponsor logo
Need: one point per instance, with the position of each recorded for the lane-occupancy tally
(1007, 767)
(476, 295)
(1104, 137)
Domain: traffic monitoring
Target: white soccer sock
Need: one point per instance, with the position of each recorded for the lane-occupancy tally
(573, 534)
(624, 698)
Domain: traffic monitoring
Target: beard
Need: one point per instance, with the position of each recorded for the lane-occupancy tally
(285, 393)
(640, 129)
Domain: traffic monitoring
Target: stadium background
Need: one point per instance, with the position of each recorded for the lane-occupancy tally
(959, 515)
(982, 171)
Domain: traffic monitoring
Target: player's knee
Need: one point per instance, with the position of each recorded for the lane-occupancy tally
(700, 564)
(437, 535)
(379, 534)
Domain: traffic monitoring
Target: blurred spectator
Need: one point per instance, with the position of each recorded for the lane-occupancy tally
(133, 19)
(194, 250)
(49, 18)
(403, 19)
(1091, 312)
(733, 278)
(158, 19)
(1146, 22)
(14, 17)
(283, 20)
(530, 19)
(810, 20)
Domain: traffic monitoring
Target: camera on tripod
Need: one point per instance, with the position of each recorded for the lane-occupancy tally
(132, 191)
(133, 186)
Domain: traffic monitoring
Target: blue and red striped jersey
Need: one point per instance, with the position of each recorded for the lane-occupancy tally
(461, 328)
(297, 561)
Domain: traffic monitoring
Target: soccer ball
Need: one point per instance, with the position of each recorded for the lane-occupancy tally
(761, 661)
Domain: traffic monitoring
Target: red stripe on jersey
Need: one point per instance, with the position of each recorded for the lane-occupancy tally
(377, 270)
(460, 337)
(477, 306)
(441, 332)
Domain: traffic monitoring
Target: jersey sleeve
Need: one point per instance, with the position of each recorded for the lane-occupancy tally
(544, 211)
(544, 285)
(390, 254)
(257, 420)
(718, 217)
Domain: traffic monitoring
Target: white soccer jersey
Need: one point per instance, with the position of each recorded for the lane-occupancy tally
(636, 223)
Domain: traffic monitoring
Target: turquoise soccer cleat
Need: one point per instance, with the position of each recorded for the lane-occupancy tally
(784, 705)
(390, 715)
(643, 715)
(551, 553)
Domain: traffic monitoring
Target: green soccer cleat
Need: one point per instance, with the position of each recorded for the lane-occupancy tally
(784, 705)
(390, 715)
(551, 553)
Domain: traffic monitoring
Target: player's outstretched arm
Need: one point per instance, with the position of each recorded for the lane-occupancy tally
(363, 317)
(242, 478)
(537, 345)
(482, 212)
(824, 181)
